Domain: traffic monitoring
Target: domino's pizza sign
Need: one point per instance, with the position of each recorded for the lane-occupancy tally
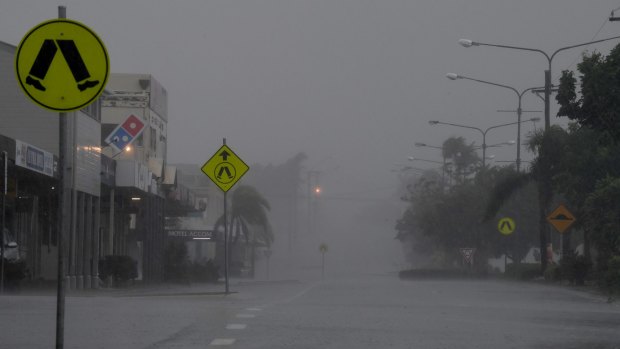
(125, 133)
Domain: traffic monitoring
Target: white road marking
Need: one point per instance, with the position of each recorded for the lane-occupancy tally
(223, 341)
(253, 309)
(246, 316)
(236, 326)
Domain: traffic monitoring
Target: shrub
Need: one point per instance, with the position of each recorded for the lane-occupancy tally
(176, 262)
(414, 274)
(552, 273)
(204, 272)
(14, 273)
(610, 278)
(120, 268)
(574, 268)
(523, 271)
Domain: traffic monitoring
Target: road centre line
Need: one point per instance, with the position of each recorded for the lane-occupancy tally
(236, 326)
(246, 316)
(223, 341)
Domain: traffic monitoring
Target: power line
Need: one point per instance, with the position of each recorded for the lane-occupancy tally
(593, 38)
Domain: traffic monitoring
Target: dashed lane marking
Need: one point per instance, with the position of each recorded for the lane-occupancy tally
(236, 326)
(223, 341)
(253, 309)
(246, 316)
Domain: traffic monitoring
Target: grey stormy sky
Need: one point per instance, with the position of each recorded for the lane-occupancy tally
(350, 82)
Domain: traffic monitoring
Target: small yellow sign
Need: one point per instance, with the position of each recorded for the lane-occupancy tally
(506, 225)
(323, 248)
(62, 65)
(561, 219)
(225, 168)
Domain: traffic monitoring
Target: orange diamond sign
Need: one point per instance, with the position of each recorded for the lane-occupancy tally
(561, 219)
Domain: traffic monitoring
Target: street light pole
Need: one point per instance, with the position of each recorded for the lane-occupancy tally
(443, 156)
(546, 192)
(483, 132)
(469, 43)
(519, 94)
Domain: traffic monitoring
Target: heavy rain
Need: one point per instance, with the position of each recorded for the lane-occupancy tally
(309, 174)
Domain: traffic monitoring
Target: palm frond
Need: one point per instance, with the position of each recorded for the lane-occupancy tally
(502, 192)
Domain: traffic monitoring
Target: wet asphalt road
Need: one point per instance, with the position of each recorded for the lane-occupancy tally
(365, 311)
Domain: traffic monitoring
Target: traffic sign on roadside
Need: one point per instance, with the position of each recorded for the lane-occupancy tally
(506, 225)
(323, 247)
(561, 219)
(225, 168)
(62, 65)
(468, 255)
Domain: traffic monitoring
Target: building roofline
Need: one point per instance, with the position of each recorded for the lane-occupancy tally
(6, 45)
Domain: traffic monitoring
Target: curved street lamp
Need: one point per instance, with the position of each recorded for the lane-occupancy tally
(519, 94)
(469, 43)
(545, 179)
(483, 132)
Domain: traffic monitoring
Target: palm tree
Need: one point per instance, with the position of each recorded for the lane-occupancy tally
(247, 219)
(462, 155)
(549, 146)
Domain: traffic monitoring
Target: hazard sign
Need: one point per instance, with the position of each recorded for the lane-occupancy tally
(62, 65)
(561, 219)
(225, 168)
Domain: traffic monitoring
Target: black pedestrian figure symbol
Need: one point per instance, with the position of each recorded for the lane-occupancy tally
(225, 172)
(73, 58)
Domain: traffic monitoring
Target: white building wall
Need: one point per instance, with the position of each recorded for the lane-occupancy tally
(87, 156)
(27, 122)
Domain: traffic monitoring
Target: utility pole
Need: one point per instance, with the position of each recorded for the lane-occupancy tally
(313, 186)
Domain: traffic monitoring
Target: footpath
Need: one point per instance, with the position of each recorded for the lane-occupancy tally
(140, 290)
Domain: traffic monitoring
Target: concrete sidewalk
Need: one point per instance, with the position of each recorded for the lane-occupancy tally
(141, 290)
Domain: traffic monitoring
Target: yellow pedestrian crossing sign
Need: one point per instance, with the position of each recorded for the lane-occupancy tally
(62, 65)
(506, 225)
(225, 168)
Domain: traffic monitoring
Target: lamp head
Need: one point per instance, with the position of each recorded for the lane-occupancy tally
(433, 122)
(418, 144)
(452, 76)
(466, 42)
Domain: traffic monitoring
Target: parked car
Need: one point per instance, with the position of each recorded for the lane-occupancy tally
(11, 249)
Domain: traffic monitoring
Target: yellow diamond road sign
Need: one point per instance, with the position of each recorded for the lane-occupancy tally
(62, 65)
(225, 168)
(506, 226)
(561, 219)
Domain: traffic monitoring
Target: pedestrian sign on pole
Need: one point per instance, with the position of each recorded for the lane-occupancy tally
(561, 219)
(506, 225)
(62, 65)
(225, 168)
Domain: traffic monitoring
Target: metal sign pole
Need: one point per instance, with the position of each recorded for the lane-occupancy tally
(2, 246)
(225, 238)
(225, 168)
(60, 297)
(225, 245)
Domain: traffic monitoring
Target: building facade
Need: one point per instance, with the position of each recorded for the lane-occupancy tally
(137, 203)
(30, 136)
